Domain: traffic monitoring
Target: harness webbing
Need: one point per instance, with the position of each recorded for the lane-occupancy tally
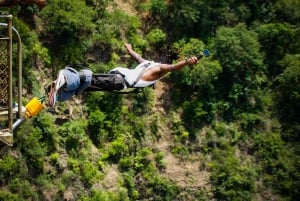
(145, 66)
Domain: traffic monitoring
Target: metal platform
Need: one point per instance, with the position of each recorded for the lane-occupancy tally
(4, 113)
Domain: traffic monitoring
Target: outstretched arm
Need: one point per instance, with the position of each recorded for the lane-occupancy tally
(135, 55)
(162, 69)
(179, 65)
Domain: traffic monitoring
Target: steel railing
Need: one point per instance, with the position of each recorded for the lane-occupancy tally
(6, 76)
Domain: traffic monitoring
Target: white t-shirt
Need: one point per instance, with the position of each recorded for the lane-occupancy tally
(131, 75)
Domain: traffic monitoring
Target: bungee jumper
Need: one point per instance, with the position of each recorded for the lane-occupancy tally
(70, 82)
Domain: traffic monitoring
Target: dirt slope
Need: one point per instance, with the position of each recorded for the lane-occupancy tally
(185, 173)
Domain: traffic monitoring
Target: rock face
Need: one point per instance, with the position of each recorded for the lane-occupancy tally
(9, 3)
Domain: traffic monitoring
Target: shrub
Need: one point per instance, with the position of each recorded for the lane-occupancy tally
(54, 158)
(5, 195)
(118, 195)
(22, 188)
(232, 180)
(33, 150)
(8, 167)
(89, 173)
(160, 162)
(75, 135)
(156, 36)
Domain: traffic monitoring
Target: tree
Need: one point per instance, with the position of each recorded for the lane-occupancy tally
(68, 25)
(288, 10)
(243, 73)
(182, 16)
(288, 96)
(277, 40)
(233, 178)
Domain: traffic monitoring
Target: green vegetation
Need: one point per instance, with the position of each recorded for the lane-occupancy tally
(233, 118)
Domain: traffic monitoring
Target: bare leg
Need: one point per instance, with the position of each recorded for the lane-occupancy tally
(56, 85)
(60, 81)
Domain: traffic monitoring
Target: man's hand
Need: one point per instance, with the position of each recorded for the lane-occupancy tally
(192, 60)
(128, 46)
